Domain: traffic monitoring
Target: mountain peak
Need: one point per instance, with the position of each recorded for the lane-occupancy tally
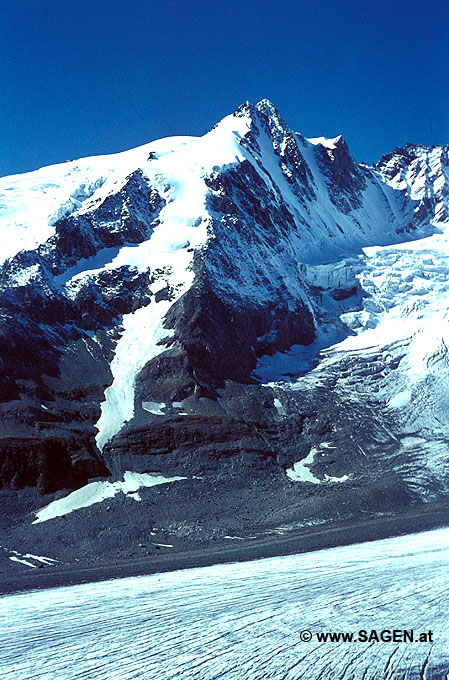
(269, 113)
(265, 105)
(245, 109)
(264, 109)
(328, 142)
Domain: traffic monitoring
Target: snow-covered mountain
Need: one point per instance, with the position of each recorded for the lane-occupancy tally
(250, 302)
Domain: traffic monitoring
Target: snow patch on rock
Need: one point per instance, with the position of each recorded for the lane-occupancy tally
(154, 407)
(300, 472)
(400, 400)
(97, 492)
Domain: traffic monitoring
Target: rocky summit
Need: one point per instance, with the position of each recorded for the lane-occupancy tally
(208, 339)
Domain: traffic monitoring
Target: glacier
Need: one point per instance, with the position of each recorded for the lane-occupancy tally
(242, 620)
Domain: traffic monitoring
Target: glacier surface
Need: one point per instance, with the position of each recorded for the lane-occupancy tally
(242, 620)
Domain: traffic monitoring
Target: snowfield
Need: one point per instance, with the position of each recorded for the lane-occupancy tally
(242, 620)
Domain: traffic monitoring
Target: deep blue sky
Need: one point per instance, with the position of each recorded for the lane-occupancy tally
(89, 77)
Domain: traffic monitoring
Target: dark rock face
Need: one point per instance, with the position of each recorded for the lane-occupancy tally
(209, 320)
(52, 446)
(231, 198)
(346, 178)
(19, 359)
(125, 217)
(236, 426)
(285, 145)
(206, 328)
(47, 463)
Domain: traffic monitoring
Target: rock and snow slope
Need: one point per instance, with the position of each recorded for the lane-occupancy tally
(267, 289)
